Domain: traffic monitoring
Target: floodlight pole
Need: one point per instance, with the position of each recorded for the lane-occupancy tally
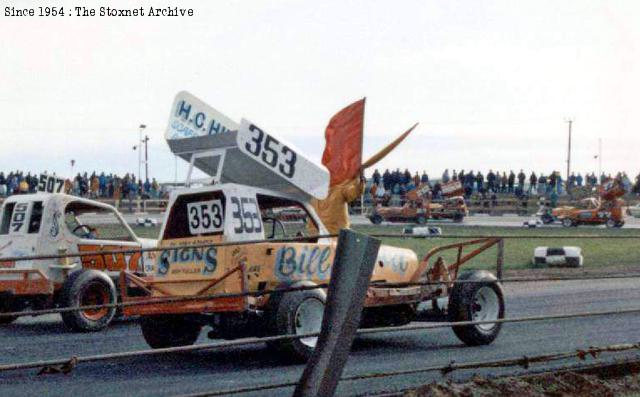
(569, 121)
(141, 128)
(146, 157)
(599, 157)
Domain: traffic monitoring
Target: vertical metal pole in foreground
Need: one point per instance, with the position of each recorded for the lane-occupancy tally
(350, 275)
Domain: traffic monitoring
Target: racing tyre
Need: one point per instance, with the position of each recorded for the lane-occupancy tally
(87, 288)
(169, 331)
(610, 223)
(458, 218)
(567, 222)
(481, 301)
(421, 220)
(298, 313)
(376, 219)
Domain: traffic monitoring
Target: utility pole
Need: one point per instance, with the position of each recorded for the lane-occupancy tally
(569, 121)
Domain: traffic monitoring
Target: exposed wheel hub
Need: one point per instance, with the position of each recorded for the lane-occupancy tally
(485, 307)
(308, 319)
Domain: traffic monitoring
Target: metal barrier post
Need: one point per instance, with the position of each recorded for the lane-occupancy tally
(355, 258)
(500, 260)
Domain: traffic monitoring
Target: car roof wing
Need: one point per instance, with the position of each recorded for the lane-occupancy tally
(229, 152)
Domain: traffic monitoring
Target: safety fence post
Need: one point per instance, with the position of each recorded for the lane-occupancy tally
(500, 260)
(355, 258)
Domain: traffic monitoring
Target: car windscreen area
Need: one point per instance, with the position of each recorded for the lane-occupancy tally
(193, 215)
(92, 222)
(284, 218)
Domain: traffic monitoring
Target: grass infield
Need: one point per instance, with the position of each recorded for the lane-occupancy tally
(518, 252)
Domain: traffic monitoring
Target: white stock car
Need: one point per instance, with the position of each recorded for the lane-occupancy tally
(52, 224)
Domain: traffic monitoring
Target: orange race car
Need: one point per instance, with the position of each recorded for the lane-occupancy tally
(419, 206)
(604, 210)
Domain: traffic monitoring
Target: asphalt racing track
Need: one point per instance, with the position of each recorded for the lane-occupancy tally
(30, 339)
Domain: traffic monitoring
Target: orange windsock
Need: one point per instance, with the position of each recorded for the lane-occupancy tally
(343, 151)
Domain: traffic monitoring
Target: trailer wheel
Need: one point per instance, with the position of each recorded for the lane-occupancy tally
(169, 331)
(481, 301)
(87, 288)
(298, 313)
(376, 219)
(567, 222)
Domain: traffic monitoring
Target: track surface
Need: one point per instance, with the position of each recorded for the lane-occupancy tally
(30, 339)
(502, 221)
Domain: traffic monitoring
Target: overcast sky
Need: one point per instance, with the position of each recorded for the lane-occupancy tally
(491, 82)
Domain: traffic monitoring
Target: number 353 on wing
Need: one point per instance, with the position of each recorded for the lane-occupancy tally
(282, 159)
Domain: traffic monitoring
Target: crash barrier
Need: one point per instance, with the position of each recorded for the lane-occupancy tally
(193, 298)
(314, 237)
(499, 269)
(70, 363)
(139, 205)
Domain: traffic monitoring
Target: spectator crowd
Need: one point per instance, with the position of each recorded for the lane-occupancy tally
(388, 183)
(398, 183)
(84, 185)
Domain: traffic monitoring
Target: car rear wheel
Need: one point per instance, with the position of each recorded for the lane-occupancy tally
(298, 313)
(88, 288)
(482, 300)
(567, 222)
(611, 223)
(169, 331)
